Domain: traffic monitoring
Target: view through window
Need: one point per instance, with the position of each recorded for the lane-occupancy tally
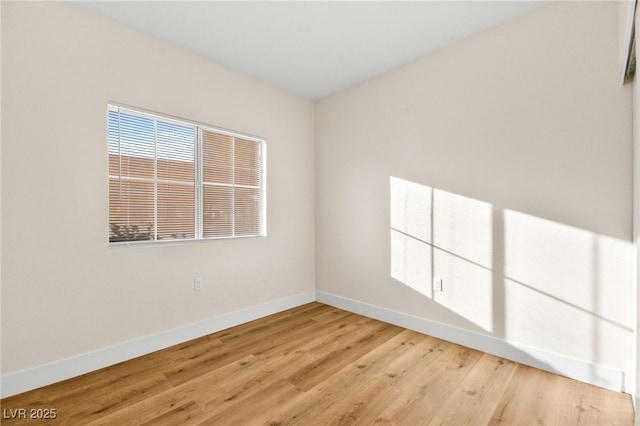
(171, 179)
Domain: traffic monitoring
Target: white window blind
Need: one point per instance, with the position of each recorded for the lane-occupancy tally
(171, 179)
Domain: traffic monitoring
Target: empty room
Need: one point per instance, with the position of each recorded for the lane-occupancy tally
(316, 213)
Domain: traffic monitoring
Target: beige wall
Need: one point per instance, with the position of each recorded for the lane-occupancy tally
(501, 164)
(64, 291)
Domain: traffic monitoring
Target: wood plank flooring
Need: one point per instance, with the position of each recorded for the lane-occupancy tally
(317, 365)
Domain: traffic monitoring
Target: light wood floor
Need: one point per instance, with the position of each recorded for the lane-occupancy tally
(317, 365)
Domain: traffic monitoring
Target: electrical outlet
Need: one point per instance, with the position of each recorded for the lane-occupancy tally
(437, 284)
(198, 284)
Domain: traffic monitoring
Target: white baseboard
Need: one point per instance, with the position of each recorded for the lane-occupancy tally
(42, 375)
(595, 374)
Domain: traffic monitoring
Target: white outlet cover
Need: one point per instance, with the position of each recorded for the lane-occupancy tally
(198, 284)
(437, 284)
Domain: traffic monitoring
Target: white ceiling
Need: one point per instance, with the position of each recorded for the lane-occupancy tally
(313, 49)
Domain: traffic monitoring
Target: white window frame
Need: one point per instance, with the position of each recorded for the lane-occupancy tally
(198, 178)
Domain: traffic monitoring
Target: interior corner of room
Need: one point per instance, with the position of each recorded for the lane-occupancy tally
(486, 194)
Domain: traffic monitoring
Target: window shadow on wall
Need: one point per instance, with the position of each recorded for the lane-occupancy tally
(514, 276)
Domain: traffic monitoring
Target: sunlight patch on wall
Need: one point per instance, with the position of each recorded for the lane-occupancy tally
(531, 280)
(411, 262)
(462, 226)
(436, 233)
(566, 288)
(411, 250)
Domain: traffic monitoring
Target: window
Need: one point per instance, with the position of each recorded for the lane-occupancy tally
(171, 179)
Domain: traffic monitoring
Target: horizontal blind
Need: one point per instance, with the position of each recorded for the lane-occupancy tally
(232, 190)
(170, 179)
(175, 147)
(248, 195)
(131, 177)
(151, 178)
(217, 185)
